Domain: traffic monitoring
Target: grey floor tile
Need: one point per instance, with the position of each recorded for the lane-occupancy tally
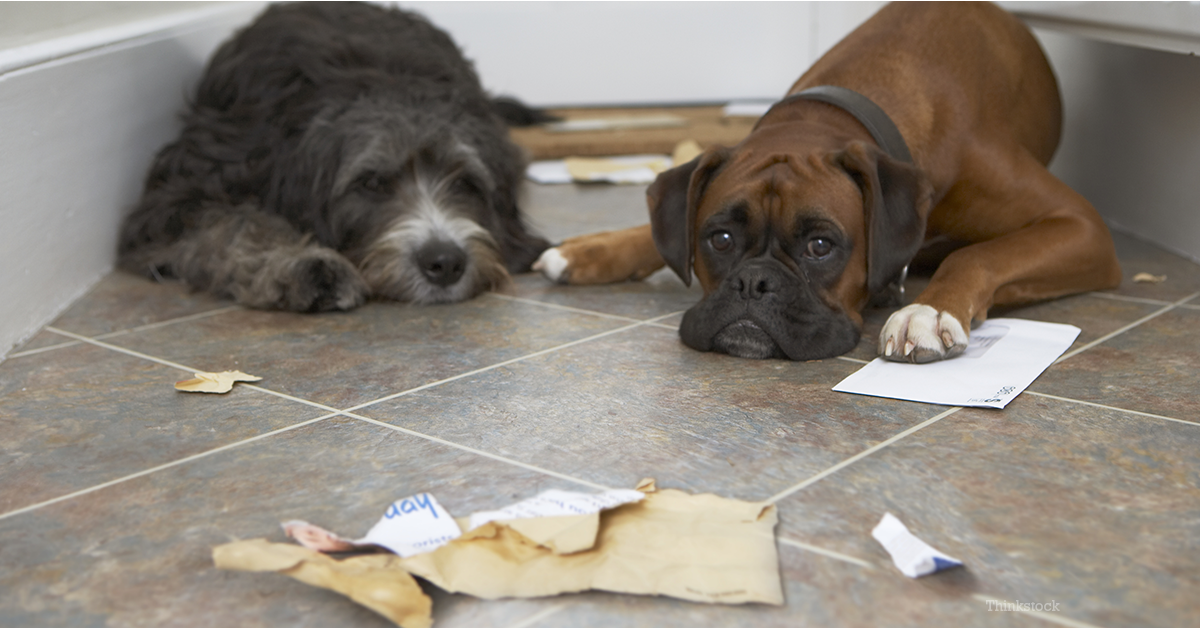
(81, 416)
(659, 294)
(1153, 368)
(139, 553)
(1139, 256)
(1044, 501)
(562, 211)
(640, 404)
(123, 301)
(820, 592)
(345, 359)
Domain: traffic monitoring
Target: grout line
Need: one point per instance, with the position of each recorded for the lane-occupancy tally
(61, 345)
(854, 360)
(1126, 328)
(122, 332)
(168, 465)
(1042, 615)
(506, 363)
(859, 456)
(556, 306)
(827, 553)
(1113, 408)
(478, 452)
(663, 326)
(1129, 299)
(129, 352)
(540, 615)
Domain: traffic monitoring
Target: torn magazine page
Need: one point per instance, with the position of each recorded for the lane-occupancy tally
(912, 556)
(410, 526)
(1003, 358)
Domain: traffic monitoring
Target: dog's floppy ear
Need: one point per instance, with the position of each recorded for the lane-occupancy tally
(673, 199)
(896, 203)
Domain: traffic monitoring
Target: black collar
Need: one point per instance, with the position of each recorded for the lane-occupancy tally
(881, 127)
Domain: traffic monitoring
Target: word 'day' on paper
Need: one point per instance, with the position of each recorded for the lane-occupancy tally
(556, 503)
(912, 556)
(414, 525)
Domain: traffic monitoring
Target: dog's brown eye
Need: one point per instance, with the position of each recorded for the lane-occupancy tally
(721, 241)
(819, 247)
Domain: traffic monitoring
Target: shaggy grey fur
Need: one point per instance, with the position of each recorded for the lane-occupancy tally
(334, 152)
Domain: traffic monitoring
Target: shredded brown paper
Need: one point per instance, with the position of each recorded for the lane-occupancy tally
(214, 382)
(702, 548)
(1148, 278)
(373, 580)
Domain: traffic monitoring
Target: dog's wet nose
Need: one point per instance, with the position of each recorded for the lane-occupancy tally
(442, 263)
(754, 282)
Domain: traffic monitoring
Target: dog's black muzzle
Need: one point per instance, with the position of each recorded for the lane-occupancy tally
(764, 310)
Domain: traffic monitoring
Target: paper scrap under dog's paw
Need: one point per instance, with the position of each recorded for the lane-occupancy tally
(214, 382)
(912, 556)
(375, 581)
(1003, 358)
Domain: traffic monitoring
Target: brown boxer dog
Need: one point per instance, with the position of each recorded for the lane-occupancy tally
(929, 127)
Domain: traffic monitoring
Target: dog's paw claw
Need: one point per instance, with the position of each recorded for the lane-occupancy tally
(553, 265)
(925, 335)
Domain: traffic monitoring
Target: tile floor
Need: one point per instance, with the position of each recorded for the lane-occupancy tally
(1085, 491)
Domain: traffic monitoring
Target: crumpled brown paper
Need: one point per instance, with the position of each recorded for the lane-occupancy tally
(702, 548)
(214, 382)
(1149, 278)
(374, 580)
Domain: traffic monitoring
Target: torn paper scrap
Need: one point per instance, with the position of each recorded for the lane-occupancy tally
(1148, 278)
(685, 151)
(628, 169)
(556, 503)
(1003, 358)
(214, 382)
(747, 108)
(409, 527)
(702, 548)
(616, 123)
(912, 556)
(375, 581)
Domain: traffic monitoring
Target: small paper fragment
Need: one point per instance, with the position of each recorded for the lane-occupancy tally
(414, 525)
(375, 581)
(912, 556)
(214, 382)
(556, 503)
(1148, 278)
(685, 151)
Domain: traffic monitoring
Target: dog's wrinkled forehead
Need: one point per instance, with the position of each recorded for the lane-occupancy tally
(779, 193)
(373, 139)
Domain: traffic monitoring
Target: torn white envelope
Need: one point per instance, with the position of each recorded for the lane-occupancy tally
(1002, 359)
(556, 503)
(912, 556)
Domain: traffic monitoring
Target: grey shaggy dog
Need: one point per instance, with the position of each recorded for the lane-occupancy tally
(335, 152)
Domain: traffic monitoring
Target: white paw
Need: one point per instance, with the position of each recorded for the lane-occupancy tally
(918, 333)
(552, 264)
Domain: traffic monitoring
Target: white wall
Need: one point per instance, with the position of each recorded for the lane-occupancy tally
(1130, 82)
(82, 115)
(614, 53)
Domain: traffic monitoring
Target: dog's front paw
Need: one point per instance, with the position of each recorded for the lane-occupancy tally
(606, 257)
(321, 280)
(919, 334)
(553, 265)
